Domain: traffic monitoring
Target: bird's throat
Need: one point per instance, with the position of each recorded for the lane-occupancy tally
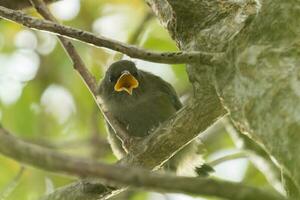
(127, 83)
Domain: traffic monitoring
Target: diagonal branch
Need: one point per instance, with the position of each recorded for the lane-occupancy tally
(90, 38)
(70, 49)
(122, 175)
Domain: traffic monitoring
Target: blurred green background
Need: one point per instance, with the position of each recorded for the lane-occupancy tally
(43, 100)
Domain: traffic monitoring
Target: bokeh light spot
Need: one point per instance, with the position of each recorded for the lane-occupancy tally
(65, 9)
(59, 102)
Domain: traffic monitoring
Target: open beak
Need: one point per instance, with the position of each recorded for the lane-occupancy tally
(126, 82)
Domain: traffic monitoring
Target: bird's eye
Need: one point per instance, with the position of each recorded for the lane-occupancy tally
(135, 74)
(111, 78)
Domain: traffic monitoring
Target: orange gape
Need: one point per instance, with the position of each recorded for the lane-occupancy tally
(126, 82)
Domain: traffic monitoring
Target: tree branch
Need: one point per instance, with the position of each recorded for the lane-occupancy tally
(226, 158)
(90, 38)
(122, 175)
(261, 94)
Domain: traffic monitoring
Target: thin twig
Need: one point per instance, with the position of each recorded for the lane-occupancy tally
(126, 176)
(12, 184)
(140, 28)
(90, 38)
(228, 158)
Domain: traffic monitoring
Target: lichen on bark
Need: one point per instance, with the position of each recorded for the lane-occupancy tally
(259, 79)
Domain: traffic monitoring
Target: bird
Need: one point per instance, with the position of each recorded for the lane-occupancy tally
(141, 101)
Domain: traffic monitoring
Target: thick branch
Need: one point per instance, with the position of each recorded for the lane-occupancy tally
(152, 152)
(261, 91)
(133, 39)
(90, 38)
(81, 68)
(56, 162)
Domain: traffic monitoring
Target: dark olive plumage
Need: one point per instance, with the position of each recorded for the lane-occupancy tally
(151, 103)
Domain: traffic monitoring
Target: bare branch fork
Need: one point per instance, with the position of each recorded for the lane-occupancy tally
(90, 38)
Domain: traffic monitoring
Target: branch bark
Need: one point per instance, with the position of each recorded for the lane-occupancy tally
(269, 110)
(90, 38)
(121, 175)
(259, 80)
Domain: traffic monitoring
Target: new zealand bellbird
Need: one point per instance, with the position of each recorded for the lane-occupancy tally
(140, 101)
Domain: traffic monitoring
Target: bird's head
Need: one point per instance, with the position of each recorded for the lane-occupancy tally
(122, 77)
